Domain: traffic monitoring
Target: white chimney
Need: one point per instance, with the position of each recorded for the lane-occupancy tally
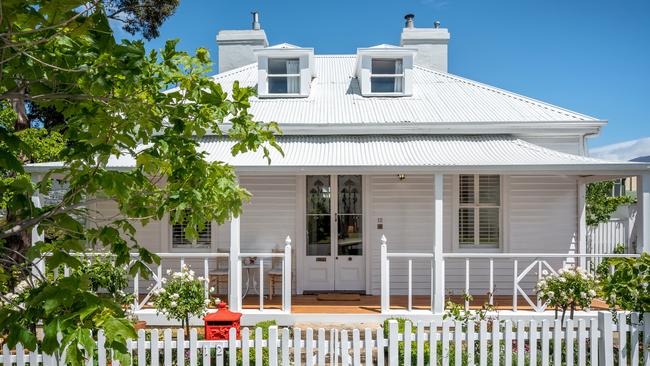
(431, 44)
(236, 46)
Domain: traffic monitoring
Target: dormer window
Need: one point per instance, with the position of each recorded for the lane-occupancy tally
(284, 71)
(385, 70)
(284, 76)
(387, 76)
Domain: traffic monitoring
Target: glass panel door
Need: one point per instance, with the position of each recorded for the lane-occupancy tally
(349, 219)
(319, 217)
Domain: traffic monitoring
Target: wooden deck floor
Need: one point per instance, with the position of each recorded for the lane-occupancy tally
(371, 304)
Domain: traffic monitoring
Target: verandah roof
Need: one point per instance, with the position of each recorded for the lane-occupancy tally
(406, 153)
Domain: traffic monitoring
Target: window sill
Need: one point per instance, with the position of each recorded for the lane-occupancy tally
(386, 95)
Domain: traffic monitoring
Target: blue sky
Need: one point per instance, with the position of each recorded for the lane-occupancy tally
(589, 56)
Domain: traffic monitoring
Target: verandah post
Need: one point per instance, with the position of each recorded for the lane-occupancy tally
(286, 276)
(643, 213)
(438, 296)
(385, 280)
(234, 267)
(582, 222)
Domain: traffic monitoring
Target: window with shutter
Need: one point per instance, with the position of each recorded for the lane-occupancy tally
(479, 210)
(203, 241)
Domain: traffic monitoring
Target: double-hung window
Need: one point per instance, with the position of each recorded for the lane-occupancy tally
(387, 75)
(284, 76)
(180, 241)
(479, 210)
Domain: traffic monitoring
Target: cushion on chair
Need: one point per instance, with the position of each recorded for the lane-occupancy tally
(219, 272)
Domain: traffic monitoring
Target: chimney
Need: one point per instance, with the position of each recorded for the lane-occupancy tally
(236, 46)
(431, 44)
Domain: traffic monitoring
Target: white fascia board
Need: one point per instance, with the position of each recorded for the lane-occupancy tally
(558, 128)
(561, 170)
(609, 170)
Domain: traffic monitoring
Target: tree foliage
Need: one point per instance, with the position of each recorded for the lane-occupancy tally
(600, 203)
(625, 283)
(62, 55)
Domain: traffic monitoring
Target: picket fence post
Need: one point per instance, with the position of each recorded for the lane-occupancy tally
(605, 347)
(393, 353)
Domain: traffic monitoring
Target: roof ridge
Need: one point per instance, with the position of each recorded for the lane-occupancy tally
(510, 94)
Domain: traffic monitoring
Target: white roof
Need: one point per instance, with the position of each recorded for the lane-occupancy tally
(396, 152)
(437, 97)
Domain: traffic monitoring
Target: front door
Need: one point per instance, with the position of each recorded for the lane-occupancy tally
(335, 254)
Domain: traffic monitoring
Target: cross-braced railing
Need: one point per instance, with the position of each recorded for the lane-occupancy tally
(523, 269)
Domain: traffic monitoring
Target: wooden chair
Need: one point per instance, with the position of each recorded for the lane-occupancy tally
(219, 275)
(275, 273)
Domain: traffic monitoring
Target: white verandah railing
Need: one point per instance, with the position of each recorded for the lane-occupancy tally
(523, 266)
(203, 264)
(595, 341)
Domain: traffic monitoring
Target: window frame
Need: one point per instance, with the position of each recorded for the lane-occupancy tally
(401, 75)
(477, 247)
(287, 76)
(191, 248)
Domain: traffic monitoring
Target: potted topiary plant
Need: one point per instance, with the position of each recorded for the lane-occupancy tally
(567, 289)
(181, 297)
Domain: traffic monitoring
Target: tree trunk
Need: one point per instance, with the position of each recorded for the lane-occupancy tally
(22, 240)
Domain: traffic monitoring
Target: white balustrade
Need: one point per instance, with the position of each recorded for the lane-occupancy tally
(206, 263)
(523, 266)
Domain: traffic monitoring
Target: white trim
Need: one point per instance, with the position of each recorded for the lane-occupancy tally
(643, 199)
(581, 208)
(300, 243)
(521, 129)
(365, 236)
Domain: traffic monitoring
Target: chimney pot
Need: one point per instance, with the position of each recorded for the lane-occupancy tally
(436, 24)
(409, 21)
(256, 20)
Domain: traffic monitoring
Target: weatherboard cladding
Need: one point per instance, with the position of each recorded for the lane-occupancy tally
(387, 151)
(437, 97)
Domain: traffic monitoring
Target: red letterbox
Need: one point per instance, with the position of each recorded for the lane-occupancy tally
(218, 324)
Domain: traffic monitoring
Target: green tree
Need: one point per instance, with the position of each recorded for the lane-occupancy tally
(62, 55)
(600, 203)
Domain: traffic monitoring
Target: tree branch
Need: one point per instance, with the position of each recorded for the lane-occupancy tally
(28, 223)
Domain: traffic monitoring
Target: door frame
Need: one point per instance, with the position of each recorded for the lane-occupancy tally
(299, 245)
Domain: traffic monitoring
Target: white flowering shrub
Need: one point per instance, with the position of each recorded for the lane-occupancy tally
(181, 297)
(568, 289)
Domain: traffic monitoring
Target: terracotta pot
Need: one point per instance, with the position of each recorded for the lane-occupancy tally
(141, 324)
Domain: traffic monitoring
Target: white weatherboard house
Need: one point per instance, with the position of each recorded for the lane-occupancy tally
(400, 182)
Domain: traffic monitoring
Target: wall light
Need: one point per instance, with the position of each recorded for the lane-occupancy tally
(401, 176)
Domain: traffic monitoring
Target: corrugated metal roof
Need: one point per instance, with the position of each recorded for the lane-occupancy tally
(326, 153)
(388, 151)
(437, 97)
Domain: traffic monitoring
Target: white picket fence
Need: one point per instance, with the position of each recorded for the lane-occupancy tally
(595, 341)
